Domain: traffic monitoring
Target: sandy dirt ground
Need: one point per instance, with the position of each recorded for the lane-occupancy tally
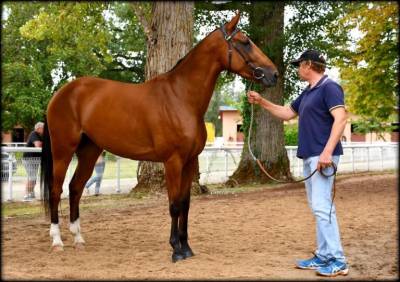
(252, 235)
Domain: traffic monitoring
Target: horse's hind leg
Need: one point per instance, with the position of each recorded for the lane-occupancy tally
(62, 156)
(87, 154)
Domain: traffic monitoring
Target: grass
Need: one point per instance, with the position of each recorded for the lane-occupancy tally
(19, 209)
(128, 167)
(218, 189)
(33, 209)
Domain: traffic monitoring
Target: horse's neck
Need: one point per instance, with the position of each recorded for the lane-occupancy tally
(200, 70)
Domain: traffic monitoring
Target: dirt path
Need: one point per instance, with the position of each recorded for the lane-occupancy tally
(255, 235)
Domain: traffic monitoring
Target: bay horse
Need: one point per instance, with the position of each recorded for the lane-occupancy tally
(160, 120)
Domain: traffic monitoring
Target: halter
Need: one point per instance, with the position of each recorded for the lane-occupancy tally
(257, 71)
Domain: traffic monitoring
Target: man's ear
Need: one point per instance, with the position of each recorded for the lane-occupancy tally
(230, 27)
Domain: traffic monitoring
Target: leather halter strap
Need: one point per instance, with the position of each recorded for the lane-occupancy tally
(228, 38)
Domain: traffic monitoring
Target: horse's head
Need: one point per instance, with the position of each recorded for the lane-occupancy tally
(243, 57)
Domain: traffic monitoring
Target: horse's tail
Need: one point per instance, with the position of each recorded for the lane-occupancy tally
(46, 169)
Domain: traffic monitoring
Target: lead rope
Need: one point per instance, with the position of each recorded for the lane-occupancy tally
(283, 181)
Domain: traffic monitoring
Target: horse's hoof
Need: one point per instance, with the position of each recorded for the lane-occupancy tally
(187, 253)
(57, 248)
(177, 256)
(79, 246)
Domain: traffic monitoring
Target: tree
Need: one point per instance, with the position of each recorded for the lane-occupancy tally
(169, 33)
(59, 23)
(271, 150)
(369, 65)
(311, 26)
(308, 28)
(47, 44)
(268, 137)
(90, 39)
(26, 71)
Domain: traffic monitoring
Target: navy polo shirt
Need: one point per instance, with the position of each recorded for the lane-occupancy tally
(313, 107)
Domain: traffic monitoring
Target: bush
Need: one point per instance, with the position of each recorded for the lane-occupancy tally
(291, 134)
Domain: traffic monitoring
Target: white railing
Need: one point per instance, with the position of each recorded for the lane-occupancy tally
(216, 164)
(15, 144)
(356, 157)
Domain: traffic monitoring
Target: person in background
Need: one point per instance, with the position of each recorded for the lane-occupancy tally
(99, 168)
(322, 119)
(31, 161)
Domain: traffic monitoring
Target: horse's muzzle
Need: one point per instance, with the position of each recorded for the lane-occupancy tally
(266, 76)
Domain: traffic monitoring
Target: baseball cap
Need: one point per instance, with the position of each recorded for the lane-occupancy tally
(309, 55)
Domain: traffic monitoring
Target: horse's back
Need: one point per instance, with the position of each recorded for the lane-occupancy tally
(139, 121)
(87, 86)
(86, 93)
(114, 115)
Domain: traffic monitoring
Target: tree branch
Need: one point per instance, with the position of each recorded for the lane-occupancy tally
(134, 69)
(119, 55)
(222, 6)
(139, 12)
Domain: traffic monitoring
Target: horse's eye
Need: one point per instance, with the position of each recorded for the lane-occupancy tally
(244, 41)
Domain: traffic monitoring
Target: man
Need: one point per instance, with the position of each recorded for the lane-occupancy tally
(322, 119)
(99, 168)
(31, 161)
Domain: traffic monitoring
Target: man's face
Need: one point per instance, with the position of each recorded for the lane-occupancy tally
(40, 130)
(303, 70)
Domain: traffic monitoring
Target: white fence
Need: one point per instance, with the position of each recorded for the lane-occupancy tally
(216, 165)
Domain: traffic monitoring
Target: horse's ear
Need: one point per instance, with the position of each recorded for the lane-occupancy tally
(232, 24)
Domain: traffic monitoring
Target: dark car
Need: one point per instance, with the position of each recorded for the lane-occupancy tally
(5, 165)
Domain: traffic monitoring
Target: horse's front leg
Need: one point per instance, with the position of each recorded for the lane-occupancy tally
(183, 226)
(173, 171)
(188, 172)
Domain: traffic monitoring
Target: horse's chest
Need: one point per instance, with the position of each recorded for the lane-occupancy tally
(189, 138)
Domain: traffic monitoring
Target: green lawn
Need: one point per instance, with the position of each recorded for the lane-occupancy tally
(128, 167)
(22, 209)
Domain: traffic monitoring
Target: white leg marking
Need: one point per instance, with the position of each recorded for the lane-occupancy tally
(55, 233)
(75, 228)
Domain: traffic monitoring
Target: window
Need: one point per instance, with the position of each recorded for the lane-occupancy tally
(18, 135)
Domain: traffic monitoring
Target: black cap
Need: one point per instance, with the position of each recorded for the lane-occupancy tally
(309, 55)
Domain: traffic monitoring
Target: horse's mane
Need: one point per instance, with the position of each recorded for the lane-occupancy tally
(181, 59)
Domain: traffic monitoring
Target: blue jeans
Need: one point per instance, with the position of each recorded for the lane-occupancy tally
(319, 195)
(99, 168)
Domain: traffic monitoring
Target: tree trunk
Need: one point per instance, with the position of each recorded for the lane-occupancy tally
(267, 135)
(169, 38)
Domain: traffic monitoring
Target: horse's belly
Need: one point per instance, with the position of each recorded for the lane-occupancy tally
(131, 150)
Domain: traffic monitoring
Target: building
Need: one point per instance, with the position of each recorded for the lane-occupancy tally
(232, 123)
(17, 135)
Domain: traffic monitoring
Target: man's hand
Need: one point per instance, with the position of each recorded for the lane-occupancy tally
(253, 97)
(325, 160)
(282, 112)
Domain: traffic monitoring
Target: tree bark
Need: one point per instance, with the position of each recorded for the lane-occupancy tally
(267, 135)
(169, 38)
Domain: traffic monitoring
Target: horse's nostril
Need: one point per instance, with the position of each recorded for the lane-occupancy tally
(276, 75)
